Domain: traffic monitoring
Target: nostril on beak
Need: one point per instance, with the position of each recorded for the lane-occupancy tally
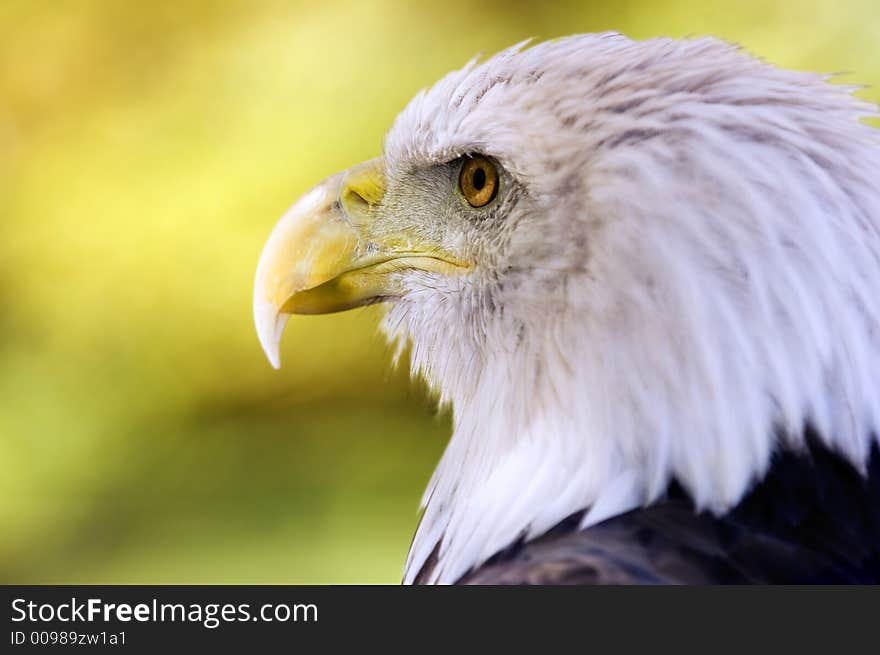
(363, 188)
(354, 200)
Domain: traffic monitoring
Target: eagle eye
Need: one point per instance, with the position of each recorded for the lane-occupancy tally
(478, 181)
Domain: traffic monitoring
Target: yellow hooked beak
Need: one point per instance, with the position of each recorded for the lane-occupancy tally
(329, 253)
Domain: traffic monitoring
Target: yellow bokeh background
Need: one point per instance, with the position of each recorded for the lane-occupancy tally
(146, 150)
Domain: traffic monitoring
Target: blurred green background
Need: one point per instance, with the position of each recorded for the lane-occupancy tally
(146, 150)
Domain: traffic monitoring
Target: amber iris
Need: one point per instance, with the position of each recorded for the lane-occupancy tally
(478, 181)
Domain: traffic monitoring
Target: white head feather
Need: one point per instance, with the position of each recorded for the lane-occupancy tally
(693, 278)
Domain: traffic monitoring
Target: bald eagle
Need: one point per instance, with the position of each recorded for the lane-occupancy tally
(646, 277)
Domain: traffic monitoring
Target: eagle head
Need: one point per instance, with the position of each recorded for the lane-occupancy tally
(622, 263)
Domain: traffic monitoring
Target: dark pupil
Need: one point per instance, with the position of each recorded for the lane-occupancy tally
(479, 179)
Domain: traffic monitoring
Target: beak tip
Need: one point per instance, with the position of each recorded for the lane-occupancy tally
(270, 325)
(274, 358)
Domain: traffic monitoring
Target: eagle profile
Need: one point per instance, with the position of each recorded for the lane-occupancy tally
(646, 277)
